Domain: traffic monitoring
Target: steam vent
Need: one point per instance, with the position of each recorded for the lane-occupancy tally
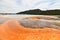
(30, 28)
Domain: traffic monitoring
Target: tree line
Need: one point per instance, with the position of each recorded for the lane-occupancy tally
(40, 12)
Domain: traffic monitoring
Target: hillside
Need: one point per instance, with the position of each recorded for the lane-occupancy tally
(40, 12)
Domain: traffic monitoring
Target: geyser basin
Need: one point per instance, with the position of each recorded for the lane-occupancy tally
(12, 29)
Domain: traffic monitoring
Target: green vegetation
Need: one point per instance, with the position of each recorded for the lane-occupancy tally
(40, 12)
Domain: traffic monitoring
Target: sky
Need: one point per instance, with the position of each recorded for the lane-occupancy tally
(14, 6)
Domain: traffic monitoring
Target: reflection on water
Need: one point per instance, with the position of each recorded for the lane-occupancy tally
(44, 22)
(38, 23)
